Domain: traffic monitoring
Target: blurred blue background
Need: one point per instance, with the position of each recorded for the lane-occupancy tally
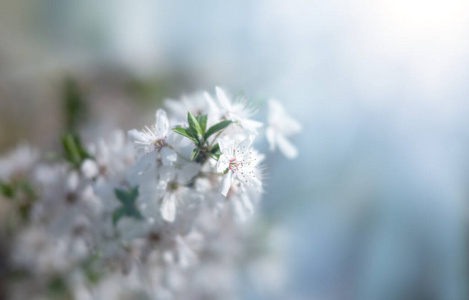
(375, 206)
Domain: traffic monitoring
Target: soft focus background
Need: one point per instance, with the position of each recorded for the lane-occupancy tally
(375, 206)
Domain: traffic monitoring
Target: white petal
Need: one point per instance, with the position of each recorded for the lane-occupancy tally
(162, 124)
(290, 126)
(276, 111)
(247, 203)
(187, 172)
(270, 134)
(244, 145)
(226, 183)
(73, 181)
(168, 156)
(251, 124)
(137, 136)
(223, 163)
(168, 207)
(167, 173)
(226, 147)
(248, 179)
(243, 207)
(211, 104)
(186, 257)
(89, 168)
(286, 147)
(222, 98)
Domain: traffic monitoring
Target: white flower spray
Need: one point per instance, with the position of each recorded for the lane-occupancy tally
(114, 222)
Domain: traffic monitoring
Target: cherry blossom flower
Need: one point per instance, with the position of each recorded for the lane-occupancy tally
(153, 138)
(239, 111)
(237, 161)
(281, 125)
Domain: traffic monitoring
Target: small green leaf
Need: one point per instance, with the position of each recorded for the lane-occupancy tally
(74, 151)
(217, 127)
(215, 152)
(195, 153)
(202, 122)
(128, 199)
(194, 125)
(117, 215)
(185, 132)
(7, 190)
(215, 148)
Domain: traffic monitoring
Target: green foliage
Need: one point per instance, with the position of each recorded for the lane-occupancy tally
(74, 104)
(128, 199)
(199, 135)
(75, 153)
(22, 194)
(215, 152)
(202, 120)
(195, 153)
(185, 132)
(195, 127)
(92, 270)
(8, 190)
(217, 127)
(57, 288)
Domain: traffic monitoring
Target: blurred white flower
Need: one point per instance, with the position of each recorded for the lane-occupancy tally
(238, 111)
(281, 125)
(134, 224)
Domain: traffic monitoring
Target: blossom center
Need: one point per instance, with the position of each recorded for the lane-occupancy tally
(159, 143)
(233, 165)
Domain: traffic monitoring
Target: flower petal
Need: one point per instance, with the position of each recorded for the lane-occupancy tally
(162, 124)
(222, 98)
(243, 146)
(187, 172)
(137, 136)
(226, 183)
(286, 147)
(226, 147)
(89, 168)
(168, 207)
(168, 156)
(223, 163)
(270, 134)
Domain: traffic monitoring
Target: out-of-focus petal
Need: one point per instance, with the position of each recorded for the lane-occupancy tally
(168, 208)
(168, 156)
(286, 147)
(226, 183)
(162, 123)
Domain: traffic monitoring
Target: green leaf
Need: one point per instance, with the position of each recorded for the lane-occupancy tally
(92, 269)
(215, 148)
(75, 153)
(117, 215)
(185, 132)
(217, 127)
(74, 104)
(195, 126)
(128, 199)
(57, 288)
(215, 152)
(195, 153)
(7, 190)
(202, 122)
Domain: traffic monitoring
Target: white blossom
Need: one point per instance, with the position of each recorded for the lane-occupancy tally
(238, 161)
(153, 138)
(239, 111)
(162, 223)
(281, 126)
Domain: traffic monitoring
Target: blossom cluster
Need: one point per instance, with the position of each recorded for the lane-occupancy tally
(154, 214)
